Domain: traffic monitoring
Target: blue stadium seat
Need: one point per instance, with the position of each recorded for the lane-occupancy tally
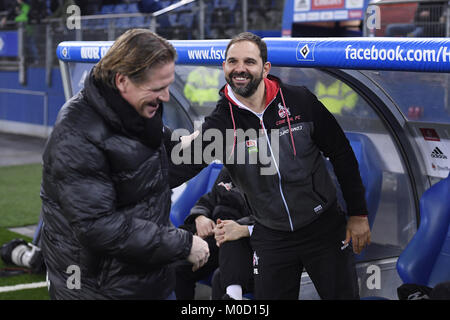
(106, 9)
(231, 4)
(123, 23)
(219, 4)
(426, 259)
(166, 3)
(370, 169)
(103, 23)
(195, 188)
(186, 20)
(138, 22)
(369, 163)
(133, 8)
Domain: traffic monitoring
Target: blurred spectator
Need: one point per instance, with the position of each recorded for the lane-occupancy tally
(59, 8)
(202, 85)
(38, 11)
(430, 17)
(337, 96)
(429, 21)
(18, 11)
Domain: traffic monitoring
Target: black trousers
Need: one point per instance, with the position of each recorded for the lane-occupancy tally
(186, 278)
(279, 258)
(233, 263)
(235, 267)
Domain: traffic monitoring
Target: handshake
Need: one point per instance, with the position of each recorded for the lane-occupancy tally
(199, 253)
(226, 230)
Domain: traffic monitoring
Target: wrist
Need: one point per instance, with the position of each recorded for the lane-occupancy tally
(199, 217)
(245, 232)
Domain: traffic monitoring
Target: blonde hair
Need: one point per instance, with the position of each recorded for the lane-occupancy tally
(132, 54)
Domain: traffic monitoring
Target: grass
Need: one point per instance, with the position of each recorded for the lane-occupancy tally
(30, 294)
(20, 203)
(20, 206)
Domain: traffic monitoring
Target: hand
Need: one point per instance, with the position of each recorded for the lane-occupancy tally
(229, 230)
(199, 253)
(359, 232)
(204, 226)
(186, 140)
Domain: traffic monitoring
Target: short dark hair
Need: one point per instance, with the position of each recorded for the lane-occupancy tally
(248, 36)
(132, 54)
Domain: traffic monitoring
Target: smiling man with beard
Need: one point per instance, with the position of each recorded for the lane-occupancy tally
(298, 221)
(105, 187)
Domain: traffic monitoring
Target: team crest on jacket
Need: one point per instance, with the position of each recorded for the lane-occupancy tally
(252, 145)
(282, 111)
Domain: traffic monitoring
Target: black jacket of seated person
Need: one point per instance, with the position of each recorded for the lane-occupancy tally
(225, 201)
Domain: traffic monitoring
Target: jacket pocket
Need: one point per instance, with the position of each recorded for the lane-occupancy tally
(322, 186)
(317, 194)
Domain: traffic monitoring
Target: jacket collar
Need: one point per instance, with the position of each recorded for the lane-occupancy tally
(272, 86)
(99, 104)
(122, 116)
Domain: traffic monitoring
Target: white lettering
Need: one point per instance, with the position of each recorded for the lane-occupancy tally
(374, 280)
(73, 20)
(90, 52)
(373, 17)
(74, 281)
(194, 310)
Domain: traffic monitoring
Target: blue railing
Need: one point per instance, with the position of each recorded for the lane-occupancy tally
(402, 54)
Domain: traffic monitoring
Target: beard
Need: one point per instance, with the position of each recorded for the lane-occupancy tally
(247, 90)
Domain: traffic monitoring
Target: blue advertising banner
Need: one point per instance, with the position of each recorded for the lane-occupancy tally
(9, 44)
(303, 11)
(402, 54)
(189, 51)
(405, 54)
(82, 51)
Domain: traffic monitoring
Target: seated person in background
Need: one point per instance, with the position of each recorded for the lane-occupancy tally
(225, 205)
(429, 21)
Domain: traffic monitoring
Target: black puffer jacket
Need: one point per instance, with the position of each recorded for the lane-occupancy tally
(105, 204)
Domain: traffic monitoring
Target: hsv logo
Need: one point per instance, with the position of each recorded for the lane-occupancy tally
(65, 52)
(305, 50)
(252, 145)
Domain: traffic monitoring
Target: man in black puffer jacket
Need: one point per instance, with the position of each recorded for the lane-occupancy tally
(105, 188)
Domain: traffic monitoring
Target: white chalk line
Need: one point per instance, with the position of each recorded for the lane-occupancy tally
(24, 286)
